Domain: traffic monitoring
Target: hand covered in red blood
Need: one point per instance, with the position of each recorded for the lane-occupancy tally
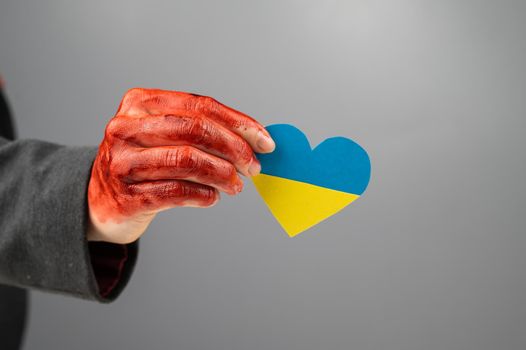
(165, 149)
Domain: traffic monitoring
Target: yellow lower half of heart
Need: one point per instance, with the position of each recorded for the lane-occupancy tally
(298, 205)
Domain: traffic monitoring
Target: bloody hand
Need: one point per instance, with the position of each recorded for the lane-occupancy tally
(165, 149)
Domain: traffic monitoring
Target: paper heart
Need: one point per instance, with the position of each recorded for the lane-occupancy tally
(304, 186)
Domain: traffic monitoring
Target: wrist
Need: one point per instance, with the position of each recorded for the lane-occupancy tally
(119, 232)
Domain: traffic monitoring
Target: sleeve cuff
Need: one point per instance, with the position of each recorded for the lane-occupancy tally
(112, 266)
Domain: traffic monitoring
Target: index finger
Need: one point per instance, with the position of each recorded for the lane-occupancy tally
(157, 101)
(243, 125)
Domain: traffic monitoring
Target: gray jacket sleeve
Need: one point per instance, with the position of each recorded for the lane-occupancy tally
(43, 222)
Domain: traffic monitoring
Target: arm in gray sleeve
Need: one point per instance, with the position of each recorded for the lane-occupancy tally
(43, 222)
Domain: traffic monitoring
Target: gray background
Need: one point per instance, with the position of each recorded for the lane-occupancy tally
(432, 257)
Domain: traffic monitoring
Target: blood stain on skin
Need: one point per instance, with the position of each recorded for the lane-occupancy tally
(115, 195)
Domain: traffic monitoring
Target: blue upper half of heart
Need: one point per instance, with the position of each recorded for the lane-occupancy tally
(337, 163)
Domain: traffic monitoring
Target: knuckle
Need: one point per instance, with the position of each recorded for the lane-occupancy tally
(230, 173)
(207, 100)
(230, 169)
(134, 100)
(244, 150)
(180, 125)
(179, 190)
(204, 103)
(134, 93)
(184, 158)
(169, 158)
(118, 168)
(174, 124)
(209, 197)
(113, 128)
(199, 129)
(175, 189)
(129, 99)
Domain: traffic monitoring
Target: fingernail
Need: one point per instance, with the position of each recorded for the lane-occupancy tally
(254, 168)
(265, 142)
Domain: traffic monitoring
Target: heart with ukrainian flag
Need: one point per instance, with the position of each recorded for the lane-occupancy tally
(303, 186)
